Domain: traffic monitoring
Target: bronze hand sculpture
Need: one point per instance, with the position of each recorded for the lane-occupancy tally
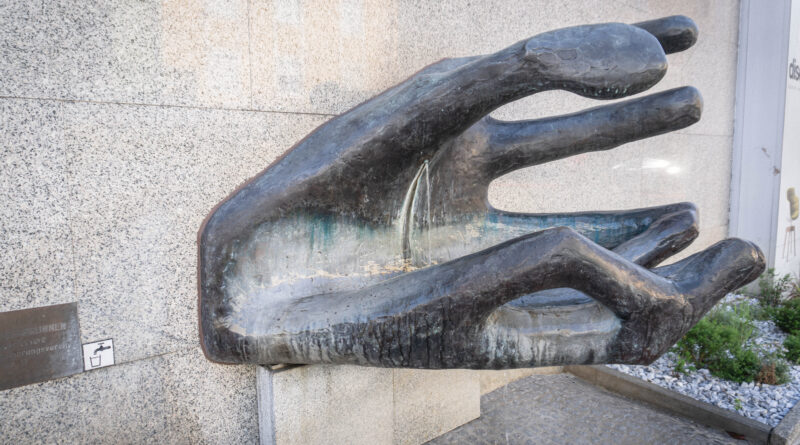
(372, 241)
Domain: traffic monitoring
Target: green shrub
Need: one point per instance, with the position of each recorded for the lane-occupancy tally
(765, 313)
(739, 317)
(771, 288)
(783, 371)
(743, 365)
(792, 346)
(718, 342)
(708, 341)
(794, 289)
(787, 316)
(774, 370)
(683, 367)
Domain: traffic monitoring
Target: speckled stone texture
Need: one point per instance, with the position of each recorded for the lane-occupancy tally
(178, 398)
(560, 409)
(36, 264)
(137, 204)
(123, 123)
(174, 52)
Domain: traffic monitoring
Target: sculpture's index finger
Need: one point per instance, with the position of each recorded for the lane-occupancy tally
(675, 33)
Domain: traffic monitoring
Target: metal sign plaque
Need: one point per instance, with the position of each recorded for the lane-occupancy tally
(39, 344)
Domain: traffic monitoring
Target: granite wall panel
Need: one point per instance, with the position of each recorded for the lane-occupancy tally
(37, 263)
(123, 123)
(178, 398)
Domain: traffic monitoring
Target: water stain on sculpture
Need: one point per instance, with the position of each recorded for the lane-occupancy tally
(372, 241)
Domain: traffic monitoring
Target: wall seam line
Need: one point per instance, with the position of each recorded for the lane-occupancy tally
(68, 177)
(250, 53)
(136, 104)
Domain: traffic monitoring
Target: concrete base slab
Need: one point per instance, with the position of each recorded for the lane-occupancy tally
(362, 405)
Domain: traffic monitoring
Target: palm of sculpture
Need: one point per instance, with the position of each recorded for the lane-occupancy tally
(372, 241)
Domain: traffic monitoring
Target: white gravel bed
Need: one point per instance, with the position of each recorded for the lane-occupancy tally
(763, 403)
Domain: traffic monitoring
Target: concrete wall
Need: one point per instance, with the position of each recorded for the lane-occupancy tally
(124, 122)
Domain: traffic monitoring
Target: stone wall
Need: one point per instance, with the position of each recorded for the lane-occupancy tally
(124, 123)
